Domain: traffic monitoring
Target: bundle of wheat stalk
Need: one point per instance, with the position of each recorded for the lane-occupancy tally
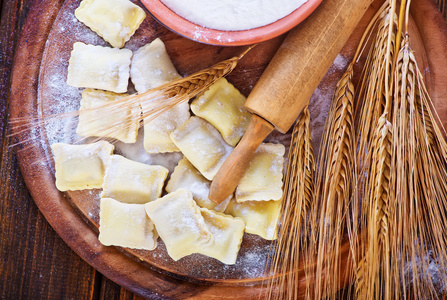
(309, 235)
(383, 184)
(404, 188)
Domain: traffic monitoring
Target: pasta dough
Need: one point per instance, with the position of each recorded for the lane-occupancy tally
(187, 177)
(99, 67)
(227, 232)
(202, 145)
(261, 217)
(125, 225)
(132, 182)
(114, 20)
(263, 178)
(90, 125)
(152, 67)
(223, 106)
(80, 167)
(179, 223)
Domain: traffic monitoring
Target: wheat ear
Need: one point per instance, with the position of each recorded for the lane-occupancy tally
(334, 185)
(138, 108)
(419, 237)
(296, 201)
(373, 274)
(301, 164)
(373, 87)
(374, 156)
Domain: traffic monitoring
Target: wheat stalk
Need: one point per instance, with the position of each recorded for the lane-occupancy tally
(420, 184)
(335, 181)
(375, 141)
(138, 108)
(404, 202)
(286, 255)
(373, 86)
(442, 4)
(334, 185)
(373, 274)
(296, 202)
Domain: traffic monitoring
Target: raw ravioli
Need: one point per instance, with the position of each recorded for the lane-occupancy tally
(80, 167)
(132, 182)
(99, 67)
(227, 232)
(114, 20)
(261, 217)
(187, 177)
(91, 124)
(151, 67)
(125, 225)
(157, 132)
(263, 178)
(179, 223)
(223, 106)
(202, 145)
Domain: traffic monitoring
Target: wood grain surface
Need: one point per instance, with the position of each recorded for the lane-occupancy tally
(34, 261)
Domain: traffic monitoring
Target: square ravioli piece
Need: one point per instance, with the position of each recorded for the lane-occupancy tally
(157, 132)
(202, 145)
(80, 167)
(187, 177)
(132, 182)
(227, 232)
(151, 67)
(114, 20)
(125, 225)
(179, 223)
(223, 106)
(262, 180)
(119, 124)
(260, 217)
(99, 67)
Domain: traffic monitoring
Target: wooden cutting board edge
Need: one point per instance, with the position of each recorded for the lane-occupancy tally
(74, 230)
(60, 214)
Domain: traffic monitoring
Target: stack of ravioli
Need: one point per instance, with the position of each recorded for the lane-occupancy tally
(138, 204)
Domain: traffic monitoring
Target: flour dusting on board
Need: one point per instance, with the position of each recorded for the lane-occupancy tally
(56, 96)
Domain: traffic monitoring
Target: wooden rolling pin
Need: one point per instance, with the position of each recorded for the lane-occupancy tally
(289, 81)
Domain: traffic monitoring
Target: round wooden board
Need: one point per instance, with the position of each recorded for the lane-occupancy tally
(43, 52)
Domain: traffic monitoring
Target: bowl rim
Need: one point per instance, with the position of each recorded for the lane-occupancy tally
(198, 33)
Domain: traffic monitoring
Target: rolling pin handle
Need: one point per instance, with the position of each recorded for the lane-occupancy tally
(232, 170)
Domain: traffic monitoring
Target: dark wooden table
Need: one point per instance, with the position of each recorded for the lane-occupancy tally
(34, 260)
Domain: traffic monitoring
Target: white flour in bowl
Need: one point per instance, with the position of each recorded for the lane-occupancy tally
(233, 14)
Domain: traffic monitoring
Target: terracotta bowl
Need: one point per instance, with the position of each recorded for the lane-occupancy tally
(228, 38)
